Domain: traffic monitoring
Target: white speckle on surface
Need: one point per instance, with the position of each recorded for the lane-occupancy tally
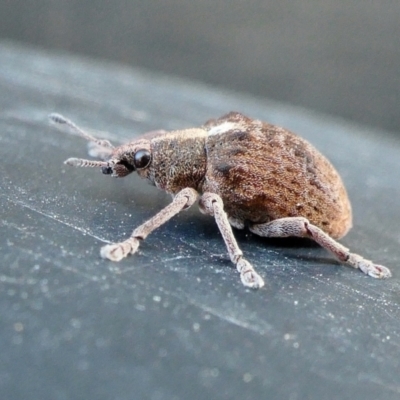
(209, 373)
(18, 327)
(75, 323)
(247, 377)
(288, 336)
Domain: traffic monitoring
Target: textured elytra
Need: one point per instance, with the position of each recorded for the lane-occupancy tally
(263, 172)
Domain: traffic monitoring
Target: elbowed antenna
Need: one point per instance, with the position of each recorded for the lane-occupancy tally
(61, 120)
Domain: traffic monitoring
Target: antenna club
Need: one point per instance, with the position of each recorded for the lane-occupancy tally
(74, 162)
(57, 118)
(105, 143)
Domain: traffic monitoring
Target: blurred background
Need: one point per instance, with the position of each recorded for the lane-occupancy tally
(340, 57)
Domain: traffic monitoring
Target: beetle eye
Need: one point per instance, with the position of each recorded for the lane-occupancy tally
(141, 159)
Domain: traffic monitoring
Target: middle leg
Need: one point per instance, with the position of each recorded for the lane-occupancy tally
(211, 204)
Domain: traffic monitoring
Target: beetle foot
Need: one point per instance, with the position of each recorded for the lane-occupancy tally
(118, 251)
(248, 275)
(369, 268)
(377, 271)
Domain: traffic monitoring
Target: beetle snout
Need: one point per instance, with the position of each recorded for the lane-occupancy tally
(106, 170)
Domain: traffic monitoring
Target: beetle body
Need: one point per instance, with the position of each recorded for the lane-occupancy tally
(248, 173)
(261, 172)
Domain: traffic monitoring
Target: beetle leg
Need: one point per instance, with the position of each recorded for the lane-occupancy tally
(117, 251)
(301, 227)
(211, 204)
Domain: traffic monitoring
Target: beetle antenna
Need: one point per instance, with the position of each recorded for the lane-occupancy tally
(80, 162)
(61, 120)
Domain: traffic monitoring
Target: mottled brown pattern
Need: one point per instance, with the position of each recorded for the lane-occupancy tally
(263, 172)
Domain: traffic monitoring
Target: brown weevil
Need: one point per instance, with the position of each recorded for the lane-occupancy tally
(248, 173)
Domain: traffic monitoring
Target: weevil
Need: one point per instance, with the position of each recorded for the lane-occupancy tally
(248, 174)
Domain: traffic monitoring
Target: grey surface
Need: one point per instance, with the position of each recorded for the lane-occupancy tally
(174, 322)
(341, 57)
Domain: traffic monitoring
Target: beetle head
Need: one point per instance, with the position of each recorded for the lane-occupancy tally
(123, 160)
(116, 161)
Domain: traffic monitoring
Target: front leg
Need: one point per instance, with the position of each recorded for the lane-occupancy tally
(211, 204)
(117, 251)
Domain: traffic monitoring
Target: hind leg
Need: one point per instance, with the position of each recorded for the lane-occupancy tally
(301, 227)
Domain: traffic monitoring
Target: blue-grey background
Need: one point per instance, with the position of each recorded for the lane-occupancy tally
(340, 57)
(173, 322)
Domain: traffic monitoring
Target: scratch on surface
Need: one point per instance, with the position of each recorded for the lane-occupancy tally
(379, 382)
(120, 269)
(390, 315)
(362, 378)
(179, 258)
(259, 328)
(192, 245)
(17, 281)
(205, 251)
(17, 227)
(248, 321)
(381, 301)
(57, 263)
(56, 218)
